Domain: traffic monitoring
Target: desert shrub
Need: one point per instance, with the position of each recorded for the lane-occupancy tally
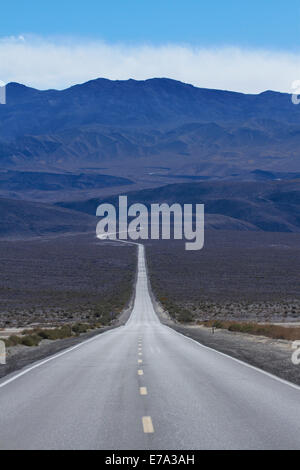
(12, 341)
(31, 340)
(64, 332)
(242, 328)
(79, 328)
(54, 333)
(268, 330)
(29, 332)
(33, 337)
(185, 316)
(58, 333)
(45, 334)
(218, 324)
(180, 314)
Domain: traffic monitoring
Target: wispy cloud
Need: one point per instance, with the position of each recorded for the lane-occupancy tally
(59, 63)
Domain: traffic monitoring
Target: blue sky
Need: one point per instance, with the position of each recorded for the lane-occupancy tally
(264, 23)
(245, 45)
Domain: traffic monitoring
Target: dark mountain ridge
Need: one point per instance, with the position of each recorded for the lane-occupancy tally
(157, 118)
(44, 181)
(149, 103)
(25, 219)
(268, 206)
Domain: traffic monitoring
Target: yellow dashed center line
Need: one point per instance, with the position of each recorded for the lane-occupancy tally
(147, 421)
(147, 425)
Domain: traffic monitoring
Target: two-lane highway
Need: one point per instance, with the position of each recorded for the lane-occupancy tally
(144, 386)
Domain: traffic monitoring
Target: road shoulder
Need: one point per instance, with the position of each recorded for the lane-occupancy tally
(24, 356)
(270, 355)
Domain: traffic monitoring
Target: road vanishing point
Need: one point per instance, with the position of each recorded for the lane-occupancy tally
(145, 386)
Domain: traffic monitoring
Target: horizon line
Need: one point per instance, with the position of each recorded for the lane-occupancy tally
(224, 90)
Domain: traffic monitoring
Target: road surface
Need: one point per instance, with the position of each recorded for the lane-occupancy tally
(145, 386)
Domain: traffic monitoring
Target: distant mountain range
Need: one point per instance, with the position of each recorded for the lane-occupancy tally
(267, 206)
(24, 219)
(43, 181)
(270, 206)
(83, 145)
(190, 131)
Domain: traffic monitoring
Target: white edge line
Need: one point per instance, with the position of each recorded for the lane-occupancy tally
(51, 358)
(66, 351)
(257, 369)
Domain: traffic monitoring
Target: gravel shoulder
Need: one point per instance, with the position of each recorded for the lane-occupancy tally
(21, 356)
(273, 356)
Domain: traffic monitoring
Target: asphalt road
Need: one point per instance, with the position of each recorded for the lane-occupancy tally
(145, 386)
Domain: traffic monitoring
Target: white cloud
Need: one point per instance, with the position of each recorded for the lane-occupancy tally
(59, 63)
